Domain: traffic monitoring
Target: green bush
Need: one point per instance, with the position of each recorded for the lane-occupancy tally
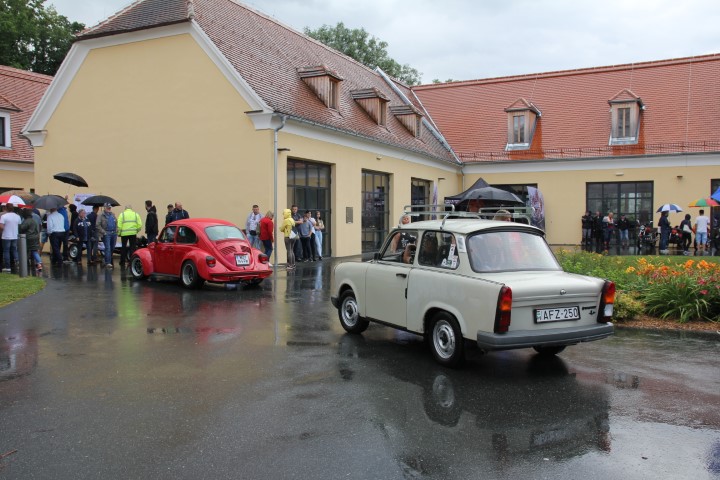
(627, 307)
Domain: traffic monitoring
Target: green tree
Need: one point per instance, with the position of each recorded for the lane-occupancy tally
(366, 49)
(34, 37)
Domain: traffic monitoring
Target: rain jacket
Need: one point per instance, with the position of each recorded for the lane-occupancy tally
(288, 222)
(129, 223)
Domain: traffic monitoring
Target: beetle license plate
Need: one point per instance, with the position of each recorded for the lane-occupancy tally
(557, 314)
(242, 260)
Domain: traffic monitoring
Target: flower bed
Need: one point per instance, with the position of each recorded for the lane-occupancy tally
(661, 287)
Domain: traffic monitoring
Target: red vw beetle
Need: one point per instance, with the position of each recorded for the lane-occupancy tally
(199, 250)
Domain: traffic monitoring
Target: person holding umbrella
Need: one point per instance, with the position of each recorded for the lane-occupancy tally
(664, 225)
(56, 232)
(106, 227)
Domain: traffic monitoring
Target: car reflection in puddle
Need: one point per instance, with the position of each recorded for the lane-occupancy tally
(506, 408)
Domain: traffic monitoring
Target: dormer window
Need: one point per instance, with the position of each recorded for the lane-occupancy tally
(4, 130)
(374, 102)
(522, 118)
(324, 82)
(410, 117)
(625, 108)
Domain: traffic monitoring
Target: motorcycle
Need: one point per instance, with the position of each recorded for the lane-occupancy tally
(75, 249)
(675, 236)
(647, 236)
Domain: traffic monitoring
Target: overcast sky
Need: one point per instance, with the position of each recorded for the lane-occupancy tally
(471, 39)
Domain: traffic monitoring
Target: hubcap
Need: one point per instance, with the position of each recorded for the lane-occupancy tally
(137, 267)
(188, 274)
(350, 312)
(444, 339)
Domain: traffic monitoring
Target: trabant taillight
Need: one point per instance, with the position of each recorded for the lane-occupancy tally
(607, 299)
(210, 261)
(263, 258)
(502, 314)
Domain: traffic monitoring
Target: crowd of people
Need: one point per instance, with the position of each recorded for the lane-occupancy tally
(599, 230)
(303, 236)
(303, 233)
(68, 225)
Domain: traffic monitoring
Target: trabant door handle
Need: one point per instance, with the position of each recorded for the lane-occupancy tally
(401, 275)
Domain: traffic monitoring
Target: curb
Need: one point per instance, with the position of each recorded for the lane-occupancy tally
(675, 332)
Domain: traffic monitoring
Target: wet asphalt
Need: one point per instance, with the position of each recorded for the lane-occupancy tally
(105, 377)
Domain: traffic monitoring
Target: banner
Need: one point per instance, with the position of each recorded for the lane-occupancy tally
(537, 202)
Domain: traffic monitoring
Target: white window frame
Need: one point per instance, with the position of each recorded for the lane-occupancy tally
(6, 133)
(635, 120)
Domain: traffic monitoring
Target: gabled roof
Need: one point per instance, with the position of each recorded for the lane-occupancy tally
(20, 92)
(680, 97)
(270, 56)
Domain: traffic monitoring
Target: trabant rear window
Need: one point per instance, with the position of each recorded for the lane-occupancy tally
(495, 251)
(224, 232)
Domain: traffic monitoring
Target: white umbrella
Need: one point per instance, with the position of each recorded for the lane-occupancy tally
(669, 207)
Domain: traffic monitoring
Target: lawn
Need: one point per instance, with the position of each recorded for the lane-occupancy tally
(669, 287)
(13, 288)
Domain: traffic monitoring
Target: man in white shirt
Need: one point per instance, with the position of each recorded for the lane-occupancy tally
(701, 231)
(56, 233)
(9, 223)
(252, 226)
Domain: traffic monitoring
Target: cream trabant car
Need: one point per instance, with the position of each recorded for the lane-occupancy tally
(493, 282)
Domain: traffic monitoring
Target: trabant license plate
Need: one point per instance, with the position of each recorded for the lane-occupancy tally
(242, 260)
(557, 314)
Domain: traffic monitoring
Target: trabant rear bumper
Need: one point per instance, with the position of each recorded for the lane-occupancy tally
(548, 337)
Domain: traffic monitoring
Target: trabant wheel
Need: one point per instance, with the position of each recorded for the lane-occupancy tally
(136, 268)
(349, 314)
(549, 351)
(446, 340)
(74, 252)
(189, 275)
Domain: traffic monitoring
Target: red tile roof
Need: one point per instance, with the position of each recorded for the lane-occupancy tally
(680, 96)
(20, 92)
(270, 55)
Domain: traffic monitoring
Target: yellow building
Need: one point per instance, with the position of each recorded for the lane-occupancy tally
(220, 107)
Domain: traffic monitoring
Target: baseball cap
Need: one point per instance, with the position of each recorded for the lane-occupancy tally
(107, 205)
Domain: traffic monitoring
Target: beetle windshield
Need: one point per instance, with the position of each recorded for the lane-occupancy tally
(496, 251)
(224, 232)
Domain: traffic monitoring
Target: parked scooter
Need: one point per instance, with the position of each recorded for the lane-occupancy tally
(647, 236)
(675, 236)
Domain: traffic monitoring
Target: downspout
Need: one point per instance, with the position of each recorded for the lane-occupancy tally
(275, 173)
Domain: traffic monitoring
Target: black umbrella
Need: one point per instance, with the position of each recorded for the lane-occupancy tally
(100, 200)
(48, 202)
(491, 194)
(71, 178)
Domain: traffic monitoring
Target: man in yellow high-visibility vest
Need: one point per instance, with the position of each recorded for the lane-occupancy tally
(129, 224)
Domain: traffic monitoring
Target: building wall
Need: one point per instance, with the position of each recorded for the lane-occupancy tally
(16, 175)
(158, 120)
(679, 179)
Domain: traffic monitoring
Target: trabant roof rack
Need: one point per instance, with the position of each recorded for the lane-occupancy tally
(445, 211)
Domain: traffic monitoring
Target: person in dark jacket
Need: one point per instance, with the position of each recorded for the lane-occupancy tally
(93, 241)
(30, 229)
(587, 223)
(598, 230)
(83, 231)
(151, 221)
(664, 225)
(686, 234)
(624, 229)
(178, 213)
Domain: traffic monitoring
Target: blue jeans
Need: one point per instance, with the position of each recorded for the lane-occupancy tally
(318, 242)
(664, 239)
(624, 236)
(91, 249)
(109, 240)
(268, 247)
(10, 253)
